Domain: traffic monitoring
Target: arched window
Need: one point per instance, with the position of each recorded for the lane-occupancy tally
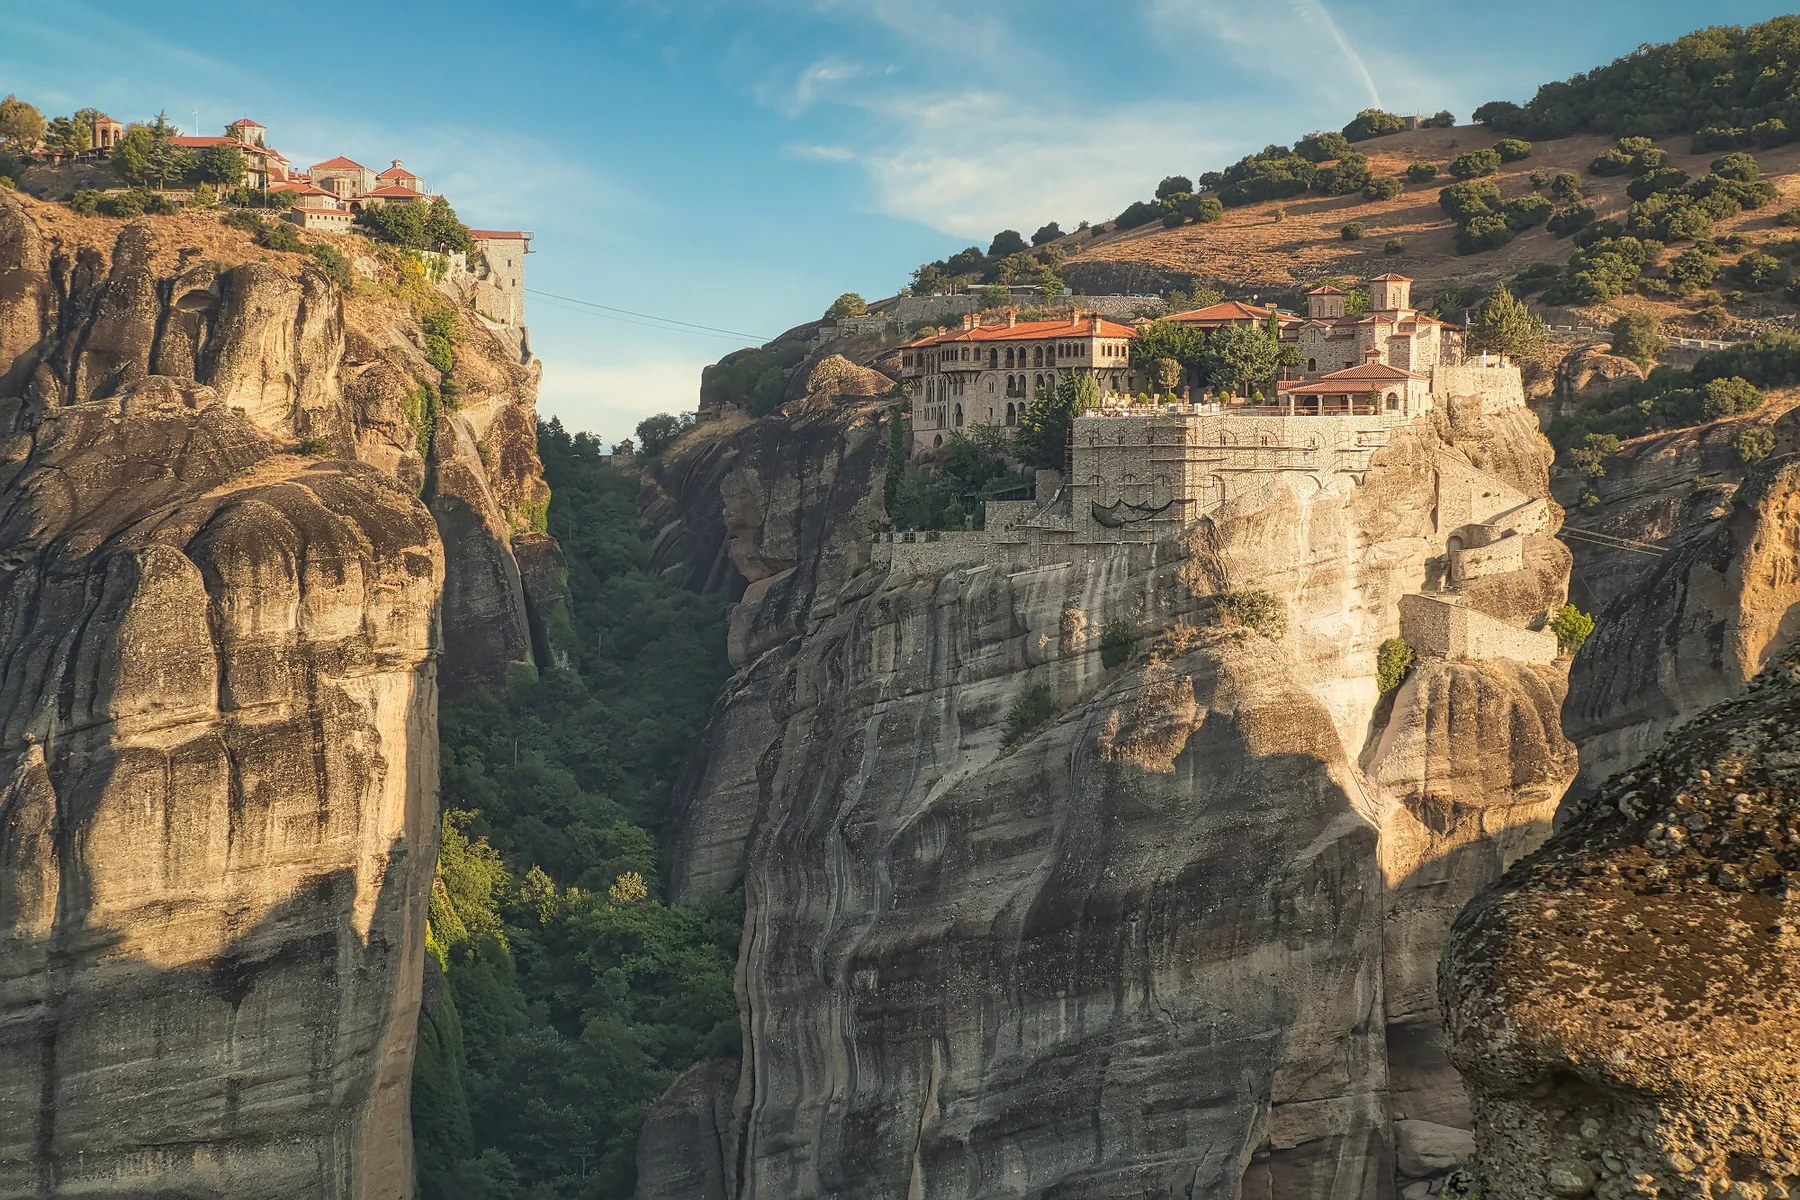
(1037, 383)
(1393, 401)
(1037, 356)
(938, 442)
(1009, 356)
(958, 421)
(1312, 364)
(1012, 416)
(994, 356)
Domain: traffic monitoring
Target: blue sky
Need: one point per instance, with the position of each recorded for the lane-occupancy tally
(738, 163)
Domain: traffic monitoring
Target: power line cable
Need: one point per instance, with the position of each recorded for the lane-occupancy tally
(640, 324)
(648, 316)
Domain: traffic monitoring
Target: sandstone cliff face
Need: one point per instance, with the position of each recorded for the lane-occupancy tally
(1692, 628)
(218, 692)
(218, 826)
(1178, 941)
(1622, 1003)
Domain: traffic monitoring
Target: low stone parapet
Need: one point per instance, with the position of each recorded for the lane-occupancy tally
(1443, 628)
(1500, 556)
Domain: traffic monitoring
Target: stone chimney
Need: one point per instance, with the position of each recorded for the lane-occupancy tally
(1074, 318)
(1012, 317)
(969, 320)
(1372, 354)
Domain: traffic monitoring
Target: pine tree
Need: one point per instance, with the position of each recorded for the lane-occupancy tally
(1506, 326)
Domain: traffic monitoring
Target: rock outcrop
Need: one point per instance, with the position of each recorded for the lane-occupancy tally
(1693, 628)
(1621, 1004)
(220, 601)
(217, 699)
(1175, 940)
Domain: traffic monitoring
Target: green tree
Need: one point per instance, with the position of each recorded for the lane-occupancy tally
(1392, 661)
(1046, 233)
(1506, 326)
(1117, 639)
(1571, 627)
(1353, 232)
(21, 125)
(1384, 187)
(1590, 457)
(1173, 185)
(1730, 397)
(443, 232)
(1566, 187)
(1322, 147)
(1422, 172)
(69, 135)
(1007, 241)
(1512, 149)
(1042, 437)
(222, 163)
(1753, 444)
(1475, 164)
(1245, 357)
(656, 434)
(1372, 123)
(847, 305)
(1639, 337)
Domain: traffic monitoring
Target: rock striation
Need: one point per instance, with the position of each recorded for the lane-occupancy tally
(236, 530)
(1174, 939)
(1621, 1004)
(216, 675)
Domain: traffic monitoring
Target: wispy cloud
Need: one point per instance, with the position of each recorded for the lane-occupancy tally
(791, 98)
(1297, 39)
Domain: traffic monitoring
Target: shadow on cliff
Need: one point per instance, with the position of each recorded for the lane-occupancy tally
(252, 1071)
(275, 1059)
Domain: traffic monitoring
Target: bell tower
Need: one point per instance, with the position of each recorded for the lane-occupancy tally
(1390, 293)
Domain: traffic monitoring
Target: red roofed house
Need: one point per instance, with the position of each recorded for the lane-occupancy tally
(314, 207)
(398, 176)
(343, 177)
(500, 274)
(987, 374)
(262, 166)
(1329, 340)
(1372, 388)
(1232, 312)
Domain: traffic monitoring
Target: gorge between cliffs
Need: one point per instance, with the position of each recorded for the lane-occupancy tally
(404, 798)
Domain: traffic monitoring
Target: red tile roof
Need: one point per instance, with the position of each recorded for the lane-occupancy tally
(395, 191)
(198, 143)
(1328, 290)
(1228, 310)
(498, 235)
(340, 163)
(1031, 331)
(396, 172)
(247, 121)
(1369, 373)
(1390, 277)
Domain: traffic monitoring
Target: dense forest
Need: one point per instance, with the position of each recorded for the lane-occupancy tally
(1729, 85)
(562, 994)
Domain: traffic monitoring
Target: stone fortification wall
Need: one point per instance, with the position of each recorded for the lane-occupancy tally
(1448, 630)
(929, 553)
(1467, 496)
(1498, 557)
(1496, 386)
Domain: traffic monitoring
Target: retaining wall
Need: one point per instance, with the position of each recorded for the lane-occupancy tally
(1446, 629)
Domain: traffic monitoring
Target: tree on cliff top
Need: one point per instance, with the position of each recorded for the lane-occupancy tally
(21, 125)
(1043, 434)
(1506, 326)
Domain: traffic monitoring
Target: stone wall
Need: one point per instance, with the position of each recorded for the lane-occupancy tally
(1497, 557)
(1495, 385)
(930, 553)
(1445, 629)
(1467, 496)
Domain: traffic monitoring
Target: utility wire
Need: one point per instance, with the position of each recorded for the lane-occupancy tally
(640, 324)
(648, 316)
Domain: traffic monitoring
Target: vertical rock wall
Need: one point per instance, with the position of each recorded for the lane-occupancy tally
(219, 653)
(1177, 940)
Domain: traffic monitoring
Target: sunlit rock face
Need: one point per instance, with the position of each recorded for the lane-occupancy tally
(1622, 1003)
(1177, 939)
(223, 595)
(217, 702)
